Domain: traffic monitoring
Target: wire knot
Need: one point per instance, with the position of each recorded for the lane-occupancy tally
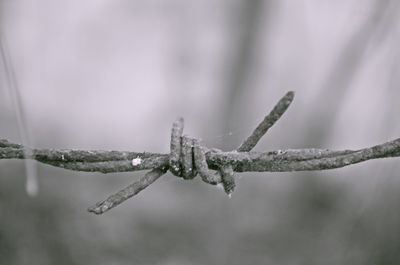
(188, 158)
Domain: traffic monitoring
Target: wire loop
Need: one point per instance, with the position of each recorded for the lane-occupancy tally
(188, 157)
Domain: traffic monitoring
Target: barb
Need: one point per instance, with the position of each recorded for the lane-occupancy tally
(275, 114)
(177, 130)
(190, 157)
(128, 192)
(228, 181)
(280, 108)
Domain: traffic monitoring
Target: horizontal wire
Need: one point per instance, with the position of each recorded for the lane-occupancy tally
(204, 159)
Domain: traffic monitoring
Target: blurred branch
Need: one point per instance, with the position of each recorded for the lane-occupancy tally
(32, 186)
(244, 37)
(379, 21)
(200, 157)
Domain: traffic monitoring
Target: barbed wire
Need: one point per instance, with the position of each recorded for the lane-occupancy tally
(189, 158)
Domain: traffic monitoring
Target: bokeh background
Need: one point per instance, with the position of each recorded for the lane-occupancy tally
(116, 74)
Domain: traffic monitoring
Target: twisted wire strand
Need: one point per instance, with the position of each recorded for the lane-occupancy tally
(189, 158)
(272, 161)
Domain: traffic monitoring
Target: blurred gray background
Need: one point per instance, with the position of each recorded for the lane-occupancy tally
(116, 74)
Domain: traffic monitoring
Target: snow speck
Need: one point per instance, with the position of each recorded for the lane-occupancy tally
(136, 161)
(220, 186)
